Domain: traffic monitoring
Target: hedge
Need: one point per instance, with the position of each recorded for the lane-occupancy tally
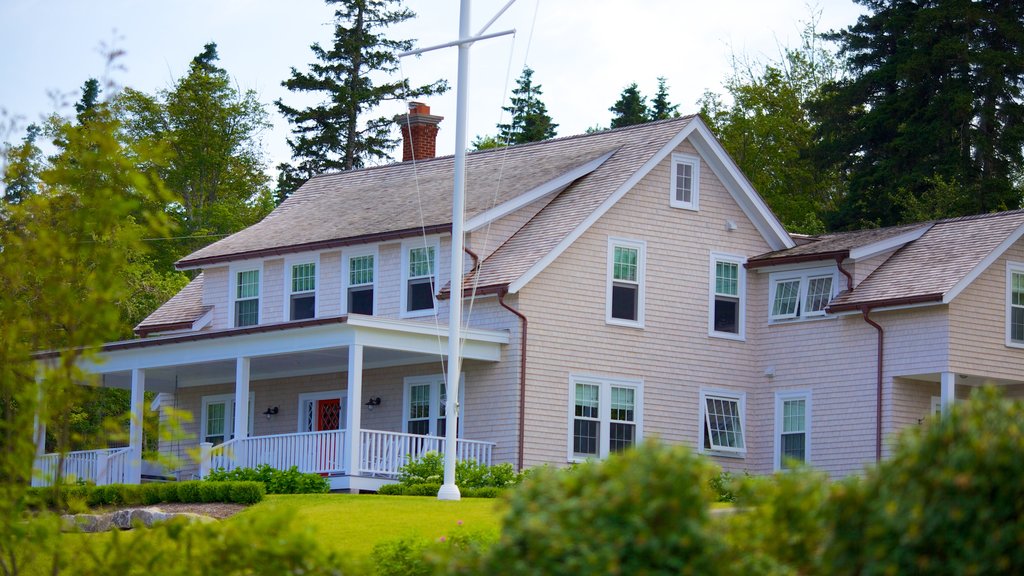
(275, 481)
(75, 498)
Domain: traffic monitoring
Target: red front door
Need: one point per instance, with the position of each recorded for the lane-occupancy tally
(328, 414)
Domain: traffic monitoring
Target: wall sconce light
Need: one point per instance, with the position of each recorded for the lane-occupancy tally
(271, 412)
(372, 402)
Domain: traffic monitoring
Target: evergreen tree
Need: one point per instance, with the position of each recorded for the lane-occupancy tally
(933, 101)
(23, 164)
(90, 98)
(530, 121)
(630, 108)
(216, 166)
(661, 108)
(338, 134)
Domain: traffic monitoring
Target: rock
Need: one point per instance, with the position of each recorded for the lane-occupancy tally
(124, 519)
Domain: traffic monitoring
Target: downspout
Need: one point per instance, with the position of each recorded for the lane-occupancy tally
(522, 376)
(865, 311)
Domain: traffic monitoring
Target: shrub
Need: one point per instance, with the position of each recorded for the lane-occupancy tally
(275, 481)
(168, 492)
(189, 491)
(246, 492)
(152, 494)
(452, 553)
(948, 501)
(641, 511)
(429, 469)
(724, 486)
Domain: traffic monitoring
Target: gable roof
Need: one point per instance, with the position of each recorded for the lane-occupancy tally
(931, 262)
(179, 313)
(939, 265)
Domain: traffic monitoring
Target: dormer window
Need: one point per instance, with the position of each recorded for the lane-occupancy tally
(419, 277)
(247, 298)
(801, 293)
(685, 181)
(360, 273)
(302, 298)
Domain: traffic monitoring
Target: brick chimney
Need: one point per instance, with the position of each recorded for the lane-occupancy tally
(419, 132)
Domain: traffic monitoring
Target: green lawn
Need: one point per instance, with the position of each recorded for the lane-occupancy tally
(354, 524)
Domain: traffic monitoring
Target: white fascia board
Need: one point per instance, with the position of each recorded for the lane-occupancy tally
(739, 187)
(411, 327)
(983, 265)
(543, 263)
(203, 321)
(876, 248)
(556, 185)
(857, 312)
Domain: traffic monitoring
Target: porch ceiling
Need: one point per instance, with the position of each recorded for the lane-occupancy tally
(167, 378)
(276, 351)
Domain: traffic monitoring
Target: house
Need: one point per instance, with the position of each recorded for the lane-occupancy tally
(620, 285)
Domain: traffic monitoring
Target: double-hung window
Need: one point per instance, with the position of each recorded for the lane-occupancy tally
(685, 181)
(605, 416)
(419, 277)
(1015, 304)
(800, 293)
(722, 415)
(246, 292)
(360, 272)
(728, 289)
(218, 418)
(792, 428)
(625, 293)
(302, 290)
(425, 398)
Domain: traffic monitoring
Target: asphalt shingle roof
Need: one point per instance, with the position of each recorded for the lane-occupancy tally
(185, 307)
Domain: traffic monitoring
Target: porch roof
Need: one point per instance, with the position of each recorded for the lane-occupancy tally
(397, 342)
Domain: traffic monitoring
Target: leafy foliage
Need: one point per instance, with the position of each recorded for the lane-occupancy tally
(337, 134)
(640, 511)
(452, 553)
(769, 132)
(24, 162)
(290, 481)
(530, 121)
(429, 469)
(84, 496)
(933, 97)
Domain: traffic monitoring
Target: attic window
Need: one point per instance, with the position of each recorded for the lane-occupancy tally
(685, 183)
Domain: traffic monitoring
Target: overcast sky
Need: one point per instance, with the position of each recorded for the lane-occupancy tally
(584, 52)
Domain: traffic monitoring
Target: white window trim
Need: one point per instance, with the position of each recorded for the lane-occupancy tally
(348, 253)
(434, 380)
(780, 398)
(1011, 267)
(290, 261)
(716, 257)
(229, 415)
(341, 395)
(408, 245)
(804, 276)
(741, 399)
(605, 407)
(233, 270)
(641, 273)
(694, 161)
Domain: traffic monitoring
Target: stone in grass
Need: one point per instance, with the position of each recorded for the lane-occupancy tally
(124, 519)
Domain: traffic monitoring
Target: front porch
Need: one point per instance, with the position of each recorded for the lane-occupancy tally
(381, 454)
(317, 380)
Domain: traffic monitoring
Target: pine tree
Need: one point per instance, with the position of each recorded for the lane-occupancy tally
(338, 134)
(630, 108)
(530, 121)
(661, 108)
(90, 98)
(933, 100)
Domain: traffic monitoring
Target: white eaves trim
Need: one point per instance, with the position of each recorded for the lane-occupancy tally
(409, 327)
(726, 170)
(876, 248)
(983, 265)
(203, 321)
(556, 185)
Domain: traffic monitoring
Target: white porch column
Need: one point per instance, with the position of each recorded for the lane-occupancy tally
(948, 393)
(241, 409)
(133, 474)
(353, 427)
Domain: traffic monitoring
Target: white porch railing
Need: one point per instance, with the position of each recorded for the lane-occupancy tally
(319, 452)
(104, 466)
(381, 453)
